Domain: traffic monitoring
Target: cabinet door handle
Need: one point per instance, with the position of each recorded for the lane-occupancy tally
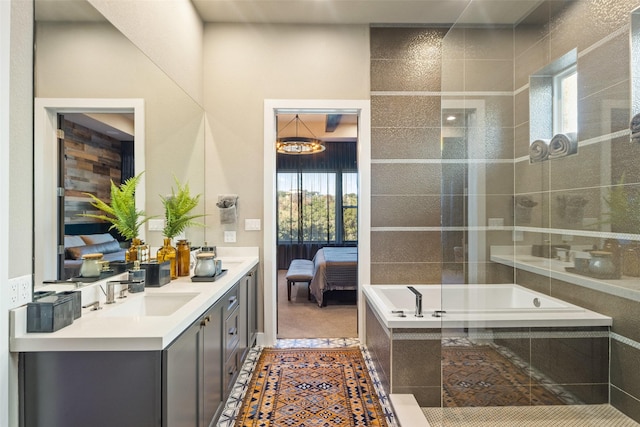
(232, 371)
(205, 321)
(232, 300)
(233, 331)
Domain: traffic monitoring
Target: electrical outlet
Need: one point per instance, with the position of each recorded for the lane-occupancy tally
(25, 289)
(229, 236)
(20, 291)
(13, 293)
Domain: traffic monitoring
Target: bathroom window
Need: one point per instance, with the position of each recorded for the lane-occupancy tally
(565, 101)
(553, 98)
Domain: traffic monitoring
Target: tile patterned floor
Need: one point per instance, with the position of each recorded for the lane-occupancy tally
(529, 416)
(545, 416)
(234, 402)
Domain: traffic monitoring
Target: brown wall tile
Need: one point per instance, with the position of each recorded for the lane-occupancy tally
(405, 111)
(418, 44)
(405, 75)
(405, 143)
(488, 75)
(416, 363)
(626, 404)
(495, 43)
(406, 273)
(625, 374)
(399, 178)
(596, 72)
(405, 211)
(405, 246)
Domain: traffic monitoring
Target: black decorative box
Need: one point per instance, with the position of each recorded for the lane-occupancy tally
(76, 299)
(157, 274)
(50, 313)
(120, 266)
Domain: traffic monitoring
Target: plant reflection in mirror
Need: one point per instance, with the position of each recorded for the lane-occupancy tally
(121, 212)
(624, 209)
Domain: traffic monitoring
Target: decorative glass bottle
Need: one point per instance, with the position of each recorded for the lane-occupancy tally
(168, 253)
(183, 258)
(132, 253)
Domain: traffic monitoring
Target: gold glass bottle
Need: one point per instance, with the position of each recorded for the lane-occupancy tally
(168, 253)
(183, 258)
(132, 252)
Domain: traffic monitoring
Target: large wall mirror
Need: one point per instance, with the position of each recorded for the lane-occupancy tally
(79, 55)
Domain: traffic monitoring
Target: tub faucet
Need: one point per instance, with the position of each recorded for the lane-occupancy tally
(418, 301)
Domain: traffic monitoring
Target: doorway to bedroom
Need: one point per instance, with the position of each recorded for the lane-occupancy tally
(316, 224)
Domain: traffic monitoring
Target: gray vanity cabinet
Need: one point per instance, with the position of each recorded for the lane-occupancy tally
(248, 312)
(181, 379)
(211, 366)
(186, 384)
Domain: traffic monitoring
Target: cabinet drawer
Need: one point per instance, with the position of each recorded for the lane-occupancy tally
(231, 301)
(231, 368)
(231, 334)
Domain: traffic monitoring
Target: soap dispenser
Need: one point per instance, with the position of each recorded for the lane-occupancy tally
(136, 278)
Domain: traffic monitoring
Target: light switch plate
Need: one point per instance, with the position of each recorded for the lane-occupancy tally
(252, 224)
(156, 224)
(229, 236)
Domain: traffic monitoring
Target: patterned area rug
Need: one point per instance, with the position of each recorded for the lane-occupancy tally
(311, 387)
(481, 376)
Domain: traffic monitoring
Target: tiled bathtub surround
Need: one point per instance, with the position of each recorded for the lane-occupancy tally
(572, 363)
(487, 69)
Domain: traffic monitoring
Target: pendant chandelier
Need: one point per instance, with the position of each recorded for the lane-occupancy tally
(298, 144)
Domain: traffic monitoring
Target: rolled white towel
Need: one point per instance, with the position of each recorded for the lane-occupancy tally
(539, 150)
(563, 144)
(634, 126)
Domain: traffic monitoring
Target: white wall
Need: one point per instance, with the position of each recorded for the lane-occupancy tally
(16, 99)
(243, 66)
(5, 61)
(172, 38)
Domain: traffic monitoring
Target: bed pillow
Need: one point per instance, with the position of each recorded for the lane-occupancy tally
(70, 241)
(77, 252)
(94, 239)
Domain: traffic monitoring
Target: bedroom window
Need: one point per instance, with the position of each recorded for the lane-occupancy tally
(309, 211)
(350, 207)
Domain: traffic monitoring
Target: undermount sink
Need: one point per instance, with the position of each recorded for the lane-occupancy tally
(149, 305)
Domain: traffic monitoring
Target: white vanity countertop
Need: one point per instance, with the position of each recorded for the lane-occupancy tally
(97, 331)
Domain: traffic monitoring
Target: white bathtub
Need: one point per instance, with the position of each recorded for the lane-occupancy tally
(491, 306)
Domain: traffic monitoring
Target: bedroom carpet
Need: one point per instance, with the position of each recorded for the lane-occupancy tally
(311, 387)
(301, 318)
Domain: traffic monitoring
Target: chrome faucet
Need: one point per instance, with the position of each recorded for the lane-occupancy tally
(418, 301)
(93, 306)
(111, 291)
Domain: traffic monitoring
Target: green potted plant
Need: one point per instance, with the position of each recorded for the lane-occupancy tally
(121, 212)
(177, 217)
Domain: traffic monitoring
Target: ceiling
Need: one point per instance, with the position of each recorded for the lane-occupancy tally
(382, 12)
(105, 125)
(365, 11)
